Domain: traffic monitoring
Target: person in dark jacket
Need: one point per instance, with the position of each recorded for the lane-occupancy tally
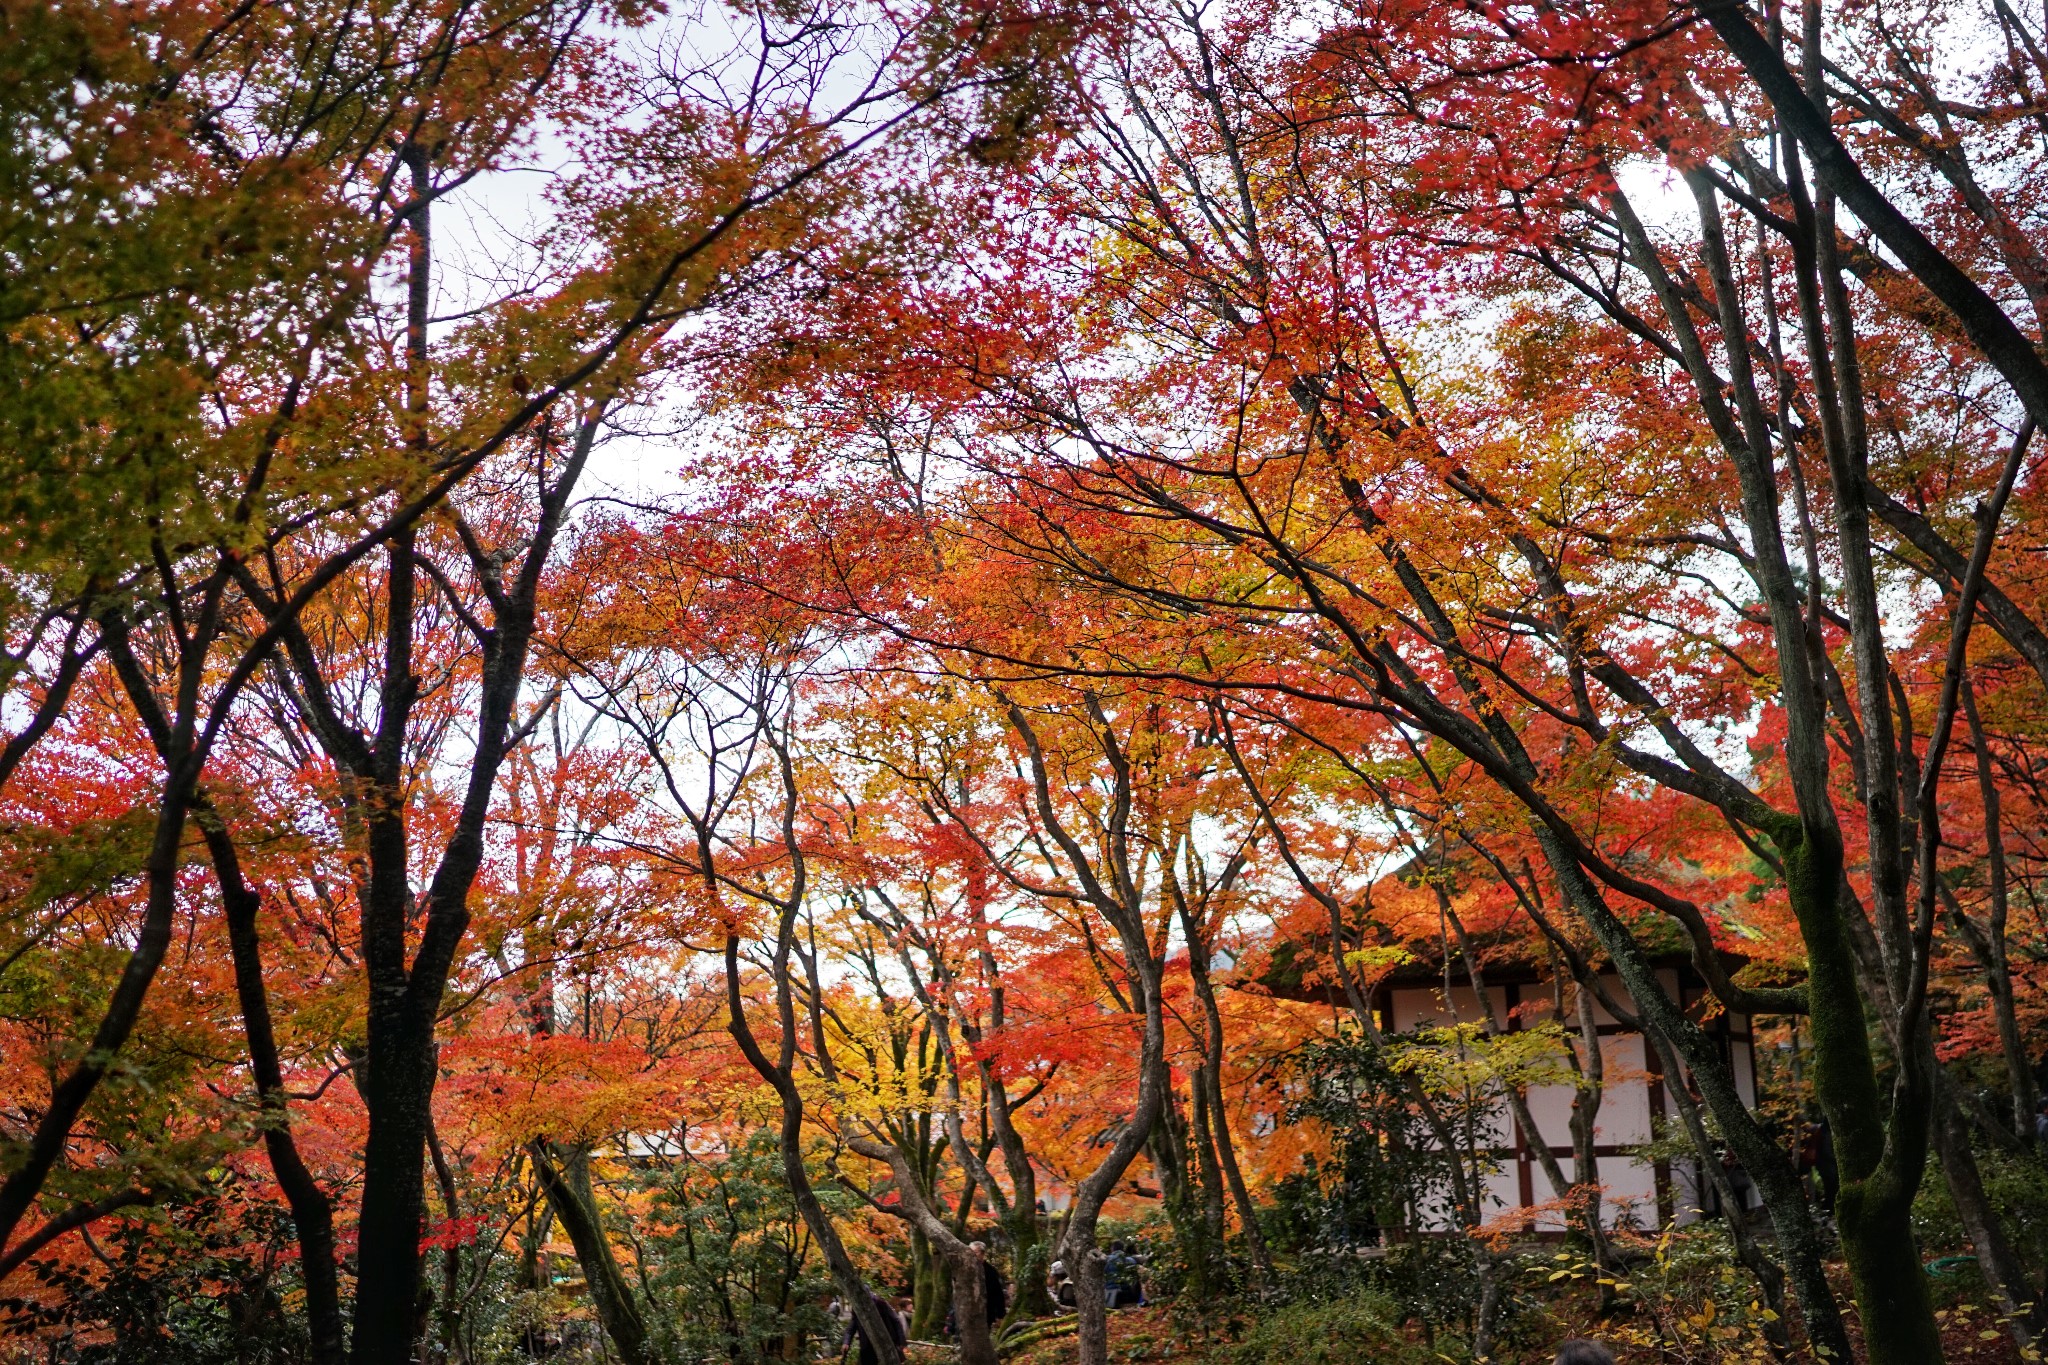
(890, 1322)
(993, 1291)
(994, 1296)
(1122, 1285)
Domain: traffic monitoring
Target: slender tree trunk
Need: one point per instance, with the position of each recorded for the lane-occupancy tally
(1990, 946)
(1518, 1103)
(564, 1176)
(1784, 1194)
(450, 1305)
(312, 1213)
(1169, 1149)
(1487, 1312)
(535, 1276)
(1202, 1134)
(1770, 1277)
(1996, 1258)
(1240, 1195)
(846, 1277)
(1585, 1120)
(1210, 1075)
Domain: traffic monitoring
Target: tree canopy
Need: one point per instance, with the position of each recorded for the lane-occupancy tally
(665, 666)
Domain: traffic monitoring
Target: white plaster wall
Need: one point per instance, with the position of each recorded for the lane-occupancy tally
(1624, 1116)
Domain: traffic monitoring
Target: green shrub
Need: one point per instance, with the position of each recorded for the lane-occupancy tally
(1361, 1329)
(729, 1267)
(2016, 1184)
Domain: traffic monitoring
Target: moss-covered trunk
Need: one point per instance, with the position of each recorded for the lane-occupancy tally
(931, 1290)
(1873, 1210)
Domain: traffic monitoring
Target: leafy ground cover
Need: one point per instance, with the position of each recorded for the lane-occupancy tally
(1357, 1331)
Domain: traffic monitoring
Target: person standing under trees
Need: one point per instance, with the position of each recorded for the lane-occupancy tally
(886, 1311)
(996, 1295)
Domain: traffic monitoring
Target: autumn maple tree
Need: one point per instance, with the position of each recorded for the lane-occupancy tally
(887, 678)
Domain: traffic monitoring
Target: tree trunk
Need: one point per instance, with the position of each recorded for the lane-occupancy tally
(1784, 1195)
(846, 1277)
(1168, 1149)
(1247, 1211)
(1487, 1313)
(930, 1288)
(566, 1181)
(1990, 945)
(534, 1276)
(1116, 901)
(970, 1305)
(1770, 1277)
(2000, 1264)
(2002, 1271)
(1091, 1308)
(1217, 1128)
(1584, 1124)
(1201, 1133)
(1029, 1298)
(450, 1306)
(1585, 1101)
(312, 1213)
(1873, 1211)
(1877, 1179)
(397, 1087)
(966, 1262)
